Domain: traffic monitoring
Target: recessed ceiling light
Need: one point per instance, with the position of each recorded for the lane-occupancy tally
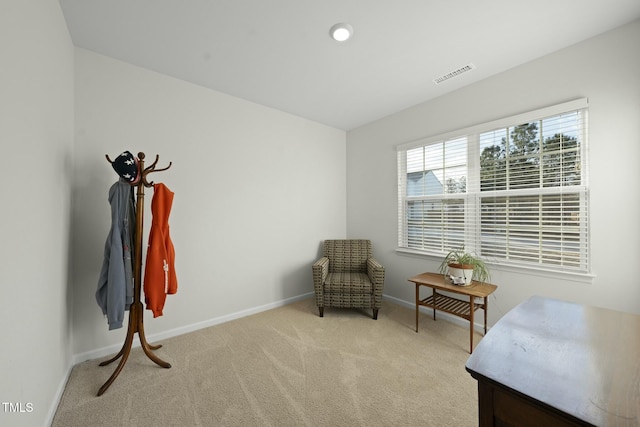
(341, 32)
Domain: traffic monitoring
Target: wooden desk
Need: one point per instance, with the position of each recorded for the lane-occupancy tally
(554, 363)
(438, 301)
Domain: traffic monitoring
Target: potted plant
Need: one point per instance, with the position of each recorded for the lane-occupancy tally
(459, 263)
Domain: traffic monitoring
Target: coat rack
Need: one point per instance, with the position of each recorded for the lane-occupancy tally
(136, 310)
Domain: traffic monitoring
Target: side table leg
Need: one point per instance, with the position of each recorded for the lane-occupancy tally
(434, 303)
(417, 304)
(486, 309)
(472, 308)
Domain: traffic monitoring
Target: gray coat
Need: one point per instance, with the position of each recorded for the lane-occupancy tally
(115, 286)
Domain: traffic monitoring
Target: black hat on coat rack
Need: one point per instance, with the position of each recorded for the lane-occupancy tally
(126, 166)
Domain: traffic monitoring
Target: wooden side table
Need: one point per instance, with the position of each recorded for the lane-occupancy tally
(455, 306)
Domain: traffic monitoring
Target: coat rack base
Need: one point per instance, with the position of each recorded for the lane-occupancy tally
(135, 325)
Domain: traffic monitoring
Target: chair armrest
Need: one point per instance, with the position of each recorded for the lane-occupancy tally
(320, 271)
(375, 271)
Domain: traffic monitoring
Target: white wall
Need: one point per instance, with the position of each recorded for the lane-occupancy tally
(256, 191)
(604, 69)
(36, 130)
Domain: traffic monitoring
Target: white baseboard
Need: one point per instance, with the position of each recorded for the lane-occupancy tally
(58, 395)
(109, 350)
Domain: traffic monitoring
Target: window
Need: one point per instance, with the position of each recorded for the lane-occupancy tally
(513, 191)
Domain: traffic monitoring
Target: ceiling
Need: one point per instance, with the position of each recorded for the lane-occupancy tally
(278, 53)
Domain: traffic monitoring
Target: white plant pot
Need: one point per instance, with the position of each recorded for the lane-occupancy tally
(455, 270)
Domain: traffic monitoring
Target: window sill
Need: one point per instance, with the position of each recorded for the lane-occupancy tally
(530, 271)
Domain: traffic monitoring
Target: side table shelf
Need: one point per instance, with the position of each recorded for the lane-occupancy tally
(450, 305)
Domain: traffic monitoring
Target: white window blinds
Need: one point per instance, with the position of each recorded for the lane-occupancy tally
(513, 191)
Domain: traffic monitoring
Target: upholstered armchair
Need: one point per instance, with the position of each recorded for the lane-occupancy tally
(348, 276)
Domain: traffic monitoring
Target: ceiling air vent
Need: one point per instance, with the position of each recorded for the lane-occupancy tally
(454, 73)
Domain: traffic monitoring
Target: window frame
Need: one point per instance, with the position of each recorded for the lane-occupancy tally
(473, 195)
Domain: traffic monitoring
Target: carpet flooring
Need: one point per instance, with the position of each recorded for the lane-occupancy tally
(288, 367)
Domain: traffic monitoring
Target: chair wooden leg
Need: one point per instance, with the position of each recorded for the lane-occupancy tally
(321, 311)
(375, 314)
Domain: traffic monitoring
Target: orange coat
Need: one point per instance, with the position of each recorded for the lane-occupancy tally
(159, 274)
